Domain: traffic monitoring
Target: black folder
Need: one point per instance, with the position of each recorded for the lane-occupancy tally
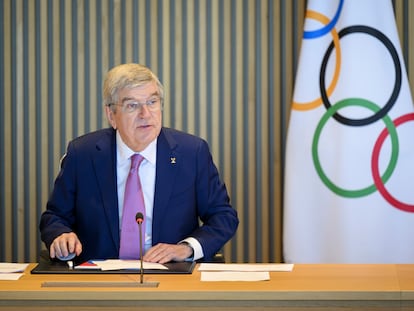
(48, 266)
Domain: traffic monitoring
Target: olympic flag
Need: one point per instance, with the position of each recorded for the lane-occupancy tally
(349, 175)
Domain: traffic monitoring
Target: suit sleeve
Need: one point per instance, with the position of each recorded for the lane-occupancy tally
(59, 215)
(219, 219)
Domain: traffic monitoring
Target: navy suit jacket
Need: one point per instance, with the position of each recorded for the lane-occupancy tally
(187, 189)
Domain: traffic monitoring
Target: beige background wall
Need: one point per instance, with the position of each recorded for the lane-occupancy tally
(228, 67)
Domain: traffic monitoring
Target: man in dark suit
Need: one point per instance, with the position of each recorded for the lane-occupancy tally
(188, 213)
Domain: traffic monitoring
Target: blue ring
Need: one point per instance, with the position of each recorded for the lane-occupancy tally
(327, 28)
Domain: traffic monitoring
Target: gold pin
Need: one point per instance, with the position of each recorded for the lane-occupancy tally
(172, 160)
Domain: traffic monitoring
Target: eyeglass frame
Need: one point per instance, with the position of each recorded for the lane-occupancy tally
(149, 103)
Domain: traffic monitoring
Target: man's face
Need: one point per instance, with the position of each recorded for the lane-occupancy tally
(140, 127)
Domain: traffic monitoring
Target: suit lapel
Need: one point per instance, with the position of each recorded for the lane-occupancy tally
(168, 164)
(104, 161)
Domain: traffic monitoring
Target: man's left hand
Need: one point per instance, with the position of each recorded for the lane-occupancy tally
(163, 253)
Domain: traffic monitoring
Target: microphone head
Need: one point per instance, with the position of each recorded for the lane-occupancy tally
(139, 218)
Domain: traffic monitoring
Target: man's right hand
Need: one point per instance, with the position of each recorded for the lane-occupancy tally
(64, 244)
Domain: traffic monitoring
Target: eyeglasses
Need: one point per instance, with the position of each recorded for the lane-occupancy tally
(129, 106)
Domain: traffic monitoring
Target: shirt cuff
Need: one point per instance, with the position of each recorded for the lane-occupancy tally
(196, 246)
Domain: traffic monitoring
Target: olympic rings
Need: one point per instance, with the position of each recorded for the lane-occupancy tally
(397, 86)
(318, 101)
(394, 140)
(379, 183)
(329, 26)
(379, 111)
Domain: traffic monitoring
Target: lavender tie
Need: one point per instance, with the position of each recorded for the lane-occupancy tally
(133, 203)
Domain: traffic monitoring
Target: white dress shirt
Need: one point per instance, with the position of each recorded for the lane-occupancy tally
(147, 178)
(147, 170)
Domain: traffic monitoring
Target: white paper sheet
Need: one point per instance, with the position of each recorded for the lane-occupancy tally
(9, 267)
(245, 267)
(118, 264)
(10, 276)
(10, 271)
(209, 276)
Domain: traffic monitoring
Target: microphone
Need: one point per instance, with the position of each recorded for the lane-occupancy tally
(139, 218)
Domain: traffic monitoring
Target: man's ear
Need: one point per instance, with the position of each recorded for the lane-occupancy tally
(110, 116)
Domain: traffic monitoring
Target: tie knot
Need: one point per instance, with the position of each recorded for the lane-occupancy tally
(136, 160)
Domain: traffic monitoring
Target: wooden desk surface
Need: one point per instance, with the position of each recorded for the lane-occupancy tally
(324, 287)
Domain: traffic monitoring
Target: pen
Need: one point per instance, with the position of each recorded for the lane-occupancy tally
(70, 264)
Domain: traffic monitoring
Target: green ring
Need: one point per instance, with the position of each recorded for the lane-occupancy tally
(394, 141)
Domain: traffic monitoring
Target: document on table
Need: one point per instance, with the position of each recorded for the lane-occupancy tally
(240, 272)
(11, 271)
(245, 267)
(213, 276)
(119, 264)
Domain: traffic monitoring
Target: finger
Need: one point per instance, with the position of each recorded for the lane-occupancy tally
(63, 245)
(72, 240)
(77, 245)
(52, 252)
(154, 250)
(165, 259)
(163, 253)
(154, 253)
(73, 244)
(55, 250)
(78, 248)
(159, 258)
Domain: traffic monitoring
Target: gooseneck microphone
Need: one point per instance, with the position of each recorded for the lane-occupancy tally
(139, 218)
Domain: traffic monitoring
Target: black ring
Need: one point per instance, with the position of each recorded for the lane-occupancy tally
(384, 110)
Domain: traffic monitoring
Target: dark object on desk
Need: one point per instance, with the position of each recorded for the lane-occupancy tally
(48, 266)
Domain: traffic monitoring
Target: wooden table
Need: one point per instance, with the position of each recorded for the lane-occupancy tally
(310, 287)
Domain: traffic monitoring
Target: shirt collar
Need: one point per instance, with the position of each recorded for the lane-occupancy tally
(124, 152)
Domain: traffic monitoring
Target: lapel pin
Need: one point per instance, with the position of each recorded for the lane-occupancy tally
(173, 161)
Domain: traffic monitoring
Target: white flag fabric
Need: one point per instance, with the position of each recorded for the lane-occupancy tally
(349, 175)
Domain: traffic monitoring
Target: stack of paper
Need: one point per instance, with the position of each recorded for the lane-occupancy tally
(240, 272)
(12, 271)
(119, 264)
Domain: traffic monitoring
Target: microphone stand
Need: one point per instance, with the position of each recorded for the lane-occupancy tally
(139, 219)
(140, 252)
